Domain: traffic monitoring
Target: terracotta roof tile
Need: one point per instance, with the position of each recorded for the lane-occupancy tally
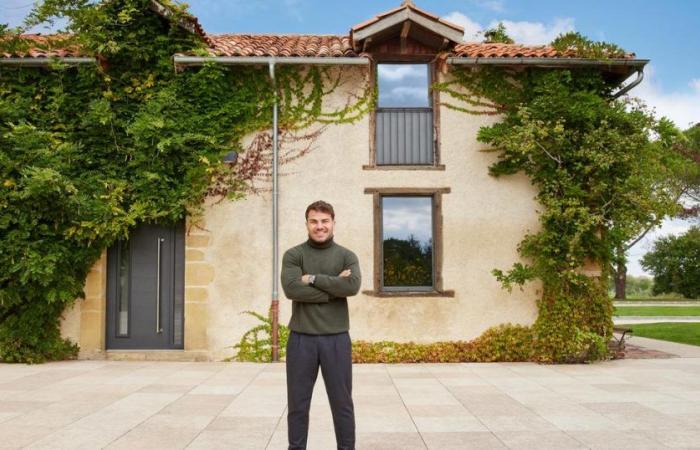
(44, 46)
(280, 45)
(298, 45)
(497, 50)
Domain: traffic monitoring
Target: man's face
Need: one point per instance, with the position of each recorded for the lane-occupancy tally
(320, 226)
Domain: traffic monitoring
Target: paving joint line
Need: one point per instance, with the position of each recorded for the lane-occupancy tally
(405, 407)
(467, 408)
(161, 409)
(76, 420)
(214, 418)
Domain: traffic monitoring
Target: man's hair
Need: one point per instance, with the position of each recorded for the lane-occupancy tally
(320, 206)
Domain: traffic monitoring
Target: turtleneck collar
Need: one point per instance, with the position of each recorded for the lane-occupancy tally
(327, 243)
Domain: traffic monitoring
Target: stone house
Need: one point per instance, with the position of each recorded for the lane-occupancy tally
(409, 184)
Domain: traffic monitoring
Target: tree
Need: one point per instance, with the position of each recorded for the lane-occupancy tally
(675, 263)
(497, 34)
(679, 176)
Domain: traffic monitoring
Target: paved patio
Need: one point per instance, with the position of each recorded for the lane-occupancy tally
(643, 403)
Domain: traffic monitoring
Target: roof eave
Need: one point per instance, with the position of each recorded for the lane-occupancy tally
(545, 62)
(186, 61)
(46, 61)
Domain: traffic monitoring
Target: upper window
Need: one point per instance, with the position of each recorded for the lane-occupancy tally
(404, 117)
(403, 85)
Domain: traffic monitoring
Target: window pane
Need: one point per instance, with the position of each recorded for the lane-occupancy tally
(407, 228)
(403, 85)
(123, 303)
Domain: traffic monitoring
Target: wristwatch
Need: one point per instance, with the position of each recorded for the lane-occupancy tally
(312, 278)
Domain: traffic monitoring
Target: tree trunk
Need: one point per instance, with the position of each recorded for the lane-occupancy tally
(621, 278)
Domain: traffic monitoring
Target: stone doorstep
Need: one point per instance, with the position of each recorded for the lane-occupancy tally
(150, 355)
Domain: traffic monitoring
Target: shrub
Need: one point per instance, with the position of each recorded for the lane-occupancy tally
(256, 343)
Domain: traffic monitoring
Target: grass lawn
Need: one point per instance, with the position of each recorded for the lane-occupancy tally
(657, 299)
(657, 311)
(684, 333)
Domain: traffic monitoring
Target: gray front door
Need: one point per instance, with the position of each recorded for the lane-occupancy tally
(145, 289)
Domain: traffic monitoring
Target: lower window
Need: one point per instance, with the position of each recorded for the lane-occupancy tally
(408, 241)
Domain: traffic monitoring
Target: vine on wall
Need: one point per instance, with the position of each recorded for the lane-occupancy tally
(89, 152)
(597, 164)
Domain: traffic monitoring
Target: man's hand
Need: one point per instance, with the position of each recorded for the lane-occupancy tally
(345, 273)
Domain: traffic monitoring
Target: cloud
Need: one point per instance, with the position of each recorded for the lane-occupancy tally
(405, 217)
(532, 33)
(522, 32)
(695, 84)
(399, 72)
(406, 92)
(471, 28)
(683, 107)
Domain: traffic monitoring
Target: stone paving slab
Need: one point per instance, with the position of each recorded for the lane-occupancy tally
(639, 403)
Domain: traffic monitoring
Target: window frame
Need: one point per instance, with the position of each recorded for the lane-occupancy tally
(378, 288)
(434, 97)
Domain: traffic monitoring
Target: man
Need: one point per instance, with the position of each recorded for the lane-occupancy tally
(318, 276)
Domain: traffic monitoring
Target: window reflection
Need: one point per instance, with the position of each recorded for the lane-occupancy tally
(407, 235)
(403, 85)
(123, 298)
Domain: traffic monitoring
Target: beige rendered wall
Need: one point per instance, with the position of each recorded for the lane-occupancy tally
(84, 321)
(228, 255)
(484, 219)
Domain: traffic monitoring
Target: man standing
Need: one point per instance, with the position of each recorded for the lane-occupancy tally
(318, 276)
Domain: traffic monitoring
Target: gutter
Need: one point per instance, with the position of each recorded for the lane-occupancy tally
(46, 61)
(548, 62)
(234, 60)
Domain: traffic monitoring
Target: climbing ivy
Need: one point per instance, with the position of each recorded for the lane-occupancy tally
(598, 164)
(88, 152)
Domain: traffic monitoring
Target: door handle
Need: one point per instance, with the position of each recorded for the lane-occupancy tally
(160, 246)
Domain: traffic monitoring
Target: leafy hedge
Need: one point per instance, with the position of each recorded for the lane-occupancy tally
(87, 153)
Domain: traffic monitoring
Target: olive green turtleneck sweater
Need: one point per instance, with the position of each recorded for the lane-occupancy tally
(323, 307)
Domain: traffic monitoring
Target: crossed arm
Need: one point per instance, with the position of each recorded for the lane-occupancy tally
(343, 285)
(325, 286)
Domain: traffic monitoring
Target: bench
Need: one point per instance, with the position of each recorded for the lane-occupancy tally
(620, 342)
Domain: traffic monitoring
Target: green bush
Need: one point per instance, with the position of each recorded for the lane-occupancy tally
(31, 335)
(256, 343)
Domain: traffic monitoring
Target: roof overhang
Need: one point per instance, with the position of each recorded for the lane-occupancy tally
(45, 62)
(407, 21)
(616, 70)
(186, 61)
(547, 62)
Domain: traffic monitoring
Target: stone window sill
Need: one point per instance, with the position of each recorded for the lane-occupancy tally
(412, 294)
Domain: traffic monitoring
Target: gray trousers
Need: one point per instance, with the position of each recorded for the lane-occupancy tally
(333, 352)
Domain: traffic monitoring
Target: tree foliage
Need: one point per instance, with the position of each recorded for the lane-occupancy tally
(497, 34)
(675, 263)
(89, 152)
(600, 166)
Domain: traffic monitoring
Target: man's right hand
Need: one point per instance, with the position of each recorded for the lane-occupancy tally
(345, 273)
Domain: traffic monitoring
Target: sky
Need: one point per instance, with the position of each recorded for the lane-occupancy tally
(665, 32)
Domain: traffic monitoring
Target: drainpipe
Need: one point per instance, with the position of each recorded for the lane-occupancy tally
(624, 90)
(275, 308)
(271, 61)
